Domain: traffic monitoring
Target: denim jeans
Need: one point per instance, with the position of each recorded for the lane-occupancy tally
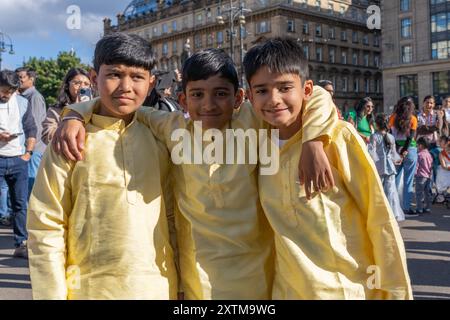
(423, 193)
(5, 202)
(33, 166)
(14, 171)
(409, 170)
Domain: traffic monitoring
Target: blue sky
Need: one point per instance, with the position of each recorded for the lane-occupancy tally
(39, 27)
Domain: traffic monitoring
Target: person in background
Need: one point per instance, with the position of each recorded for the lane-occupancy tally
(69, 93)
(328, 86)
(423, 177)
(17, 139)
(27, 90)
(403, 126)
(362, 118)
(443, 171)
(382, 150)
(446, 109)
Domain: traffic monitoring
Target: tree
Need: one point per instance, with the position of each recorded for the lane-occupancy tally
(51, 72)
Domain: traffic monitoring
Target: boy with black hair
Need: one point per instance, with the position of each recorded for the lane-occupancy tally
(344, 243)
(98, 228)
(225, 243)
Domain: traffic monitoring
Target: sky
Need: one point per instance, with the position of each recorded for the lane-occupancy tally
(43, 28)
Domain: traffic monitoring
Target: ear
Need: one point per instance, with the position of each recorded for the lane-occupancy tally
(249, 95)
(308, 89)
(93, 76)
(239, 98)
(182, 101)
(152, 83)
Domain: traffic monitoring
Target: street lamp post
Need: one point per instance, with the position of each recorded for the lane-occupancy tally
(4, 45)
(233, 13)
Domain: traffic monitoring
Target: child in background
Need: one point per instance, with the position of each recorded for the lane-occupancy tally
(324, 247)
(423, 177)
(382, 150)
(443, 171)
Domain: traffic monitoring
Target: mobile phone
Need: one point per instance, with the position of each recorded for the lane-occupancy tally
(15, 135)
(85, 94)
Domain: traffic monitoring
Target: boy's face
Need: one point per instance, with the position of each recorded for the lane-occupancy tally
(122, 89)
(211, 101)
(278, 98)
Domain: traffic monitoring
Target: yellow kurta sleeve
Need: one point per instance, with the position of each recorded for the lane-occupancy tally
(365, 187)
(85, 109)
(319, 116)
(48, 211)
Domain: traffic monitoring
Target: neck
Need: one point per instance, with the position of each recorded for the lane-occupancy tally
(127, 118)
(290, 130)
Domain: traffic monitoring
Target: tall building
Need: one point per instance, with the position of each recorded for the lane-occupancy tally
(416, 49)
(333, 33)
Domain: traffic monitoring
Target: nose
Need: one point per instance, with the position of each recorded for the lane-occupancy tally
(126, 84)
(274, 98)
(209, 103)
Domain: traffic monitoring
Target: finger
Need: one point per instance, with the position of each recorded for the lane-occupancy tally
(308, 188)
(316, 184)
(72, 145)
(301, 177)
(66, 152)
(323, 185)
(330, 178)
(80, 139)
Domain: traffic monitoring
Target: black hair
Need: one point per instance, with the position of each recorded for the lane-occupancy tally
(30, 71)
(64, 93)
(429, 97)
(360, 107)
(381, 122)
(422, 141)
(121, 48)
(9, 79)
(207, 63)
(444, 138)
(404, 111)
(280, 55)
(324, 83)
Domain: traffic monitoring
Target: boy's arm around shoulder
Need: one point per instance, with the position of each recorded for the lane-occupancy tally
(48, 212)
(362, 182)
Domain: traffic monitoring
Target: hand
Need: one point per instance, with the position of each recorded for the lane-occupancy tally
(180, 296)
(69, 139)
(440, 114)
(26, 157)
(314, 167)
(6, 136)
(404, 154)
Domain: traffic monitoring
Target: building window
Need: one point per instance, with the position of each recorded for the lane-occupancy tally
(376, 41)
(354, 14)
(208, 15)
(174, 26)
(262, 27)
(376, 60)
(198, 19)
(210, 39)
(330, 8)
(291, 26)
(306, 28)
(366, 85)
(377, 85)
(185, 23)
(344, 35)
(342, 11)
(366, 39)
(318, 5)
(219, 37)
(332, 55)
(174, 47)
(440, 50)
(344, 57)
(165, 29)
(366, 59)
(344, 84)
(441, 83)
(406, 28)
(155, 31)
(306, 52)
(440, 22)
(332, 33)
(408, 86)
(355, 37)
(356, 85)
(318, 30)
(165, 49)
(405, 5)
(406, 54)
(355, 58)
(319, 56)
(198, 41)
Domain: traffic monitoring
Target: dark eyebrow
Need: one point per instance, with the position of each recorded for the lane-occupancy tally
(262, 85)
(216, 88)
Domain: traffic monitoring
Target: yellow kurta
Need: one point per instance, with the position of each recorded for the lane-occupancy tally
(98, 228)
(343, 242)
(225, 243)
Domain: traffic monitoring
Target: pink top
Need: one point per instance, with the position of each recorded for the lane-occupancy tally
(424, 164)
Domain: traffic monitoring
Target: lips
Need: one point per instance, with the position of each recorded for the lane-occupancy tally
(276, 110)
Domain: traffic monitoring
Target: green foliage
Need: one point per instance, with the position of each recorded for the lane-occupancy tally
(51, 73)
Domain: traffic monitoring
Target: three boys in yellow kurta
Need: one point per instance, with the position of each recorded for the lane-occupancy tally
(102, 219)
(224, 241)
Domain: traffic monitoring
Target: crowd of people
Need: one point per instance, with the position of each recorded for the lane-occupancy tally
(108, 201)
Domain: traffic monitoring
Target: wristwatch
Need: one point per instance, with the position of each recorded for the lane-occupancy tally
(30, 152)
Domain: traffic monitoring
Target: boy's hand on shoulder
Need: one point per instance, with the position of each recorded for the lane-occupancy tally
(314, 168)
(69, 138)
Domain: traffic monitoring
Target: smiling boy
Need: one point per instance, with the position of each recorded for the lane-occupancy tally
(344, 243)
(98, 228)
